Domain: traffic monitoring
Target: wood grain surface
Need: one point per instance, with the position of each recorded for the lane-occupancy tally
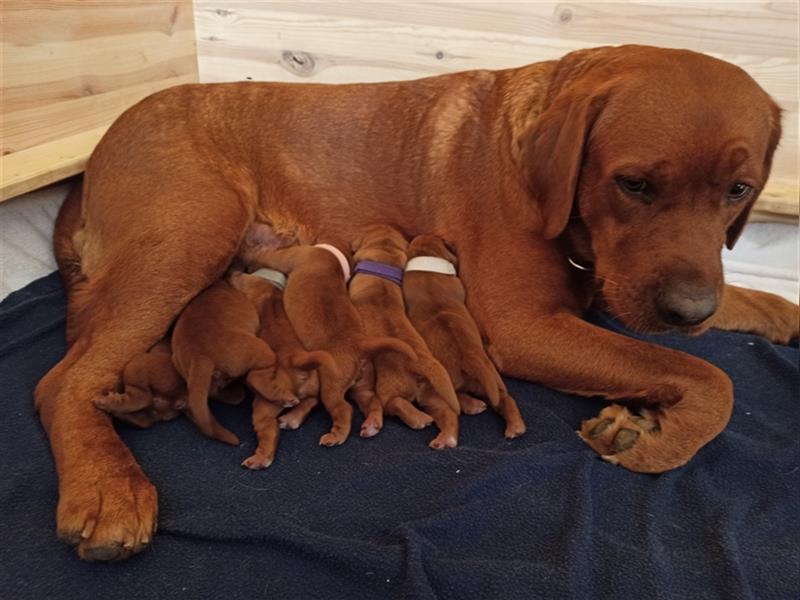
(335, 42)
(70, 67)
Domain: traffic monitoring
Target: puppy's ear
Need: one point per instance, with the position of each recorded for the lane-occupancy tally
(551, 154)
(735, 228)
(450, 252)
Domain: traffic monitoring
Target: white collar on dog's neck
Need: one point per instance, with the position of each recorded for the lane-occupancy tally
(276, 278)
(340, 257)
(578, 265)
(431, 264)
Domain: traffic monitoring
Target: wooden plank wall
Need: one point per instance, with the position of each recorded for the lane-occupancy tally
(70, 67)
(337, 42)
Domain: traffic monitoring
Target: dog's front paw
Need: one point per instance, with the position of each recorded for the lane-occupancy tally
(108, 516)
(634, 441)
(783, 324)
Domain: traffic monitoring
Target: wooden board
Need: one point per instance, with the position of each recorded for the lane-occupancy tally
(70, 67)
(335, 42)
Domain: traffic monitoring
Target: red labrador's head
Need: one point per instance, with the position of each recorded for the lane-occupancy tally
(653, 159)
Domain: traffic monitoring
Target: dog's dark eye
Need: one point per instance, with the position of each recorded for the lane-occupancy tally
(629, 185)
(739, 191)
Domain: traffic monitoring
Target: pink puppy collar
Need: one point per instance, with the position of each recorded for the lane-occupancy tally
(340, 257)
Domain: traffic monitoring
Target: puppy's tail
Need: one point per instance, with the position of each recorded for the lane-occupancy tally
(313, 360)
(437, 377)
(373, 345)
(198, 384)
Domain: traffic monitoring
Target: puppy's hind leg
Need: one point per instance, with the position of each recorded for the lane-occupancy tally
(446, 419)
(332, 390)
(265, 377)
(265, 423)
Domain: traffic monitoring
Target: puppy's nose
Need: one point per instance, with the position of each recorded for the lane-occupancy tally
(686, 304)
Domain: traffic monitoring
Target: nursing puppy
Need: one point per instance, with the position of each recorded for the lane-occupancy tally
(324, 318)
(436, 306)
(152, 390)
(379, 253)
(265, 289)
(214, 342)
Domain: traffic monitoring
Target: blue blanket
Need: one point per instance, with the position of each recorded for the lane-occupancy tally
(537, 517)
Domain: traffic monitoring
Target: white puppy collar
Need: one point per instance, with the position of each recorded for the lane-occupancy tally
(340, 257)
(431, 264)
(276, 278)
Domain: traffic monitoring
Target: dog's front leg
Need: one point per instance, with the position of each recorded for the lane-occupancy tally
(685, 401)
(761, 313)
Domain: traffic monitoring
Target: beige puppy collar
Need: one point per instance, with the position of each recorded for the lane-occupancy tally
(340, 257)
(431, 264)
(276, 278)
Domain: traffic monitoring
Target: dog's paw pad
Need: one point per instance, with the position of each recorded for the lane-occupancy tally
(624, 439)
(617, 430)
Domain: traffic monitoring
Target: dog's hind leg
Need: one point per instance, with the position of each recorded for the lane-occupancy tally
(141, 264)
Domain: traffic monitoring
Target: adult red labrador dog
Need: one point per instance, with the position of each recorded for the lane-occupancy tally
(639, 161)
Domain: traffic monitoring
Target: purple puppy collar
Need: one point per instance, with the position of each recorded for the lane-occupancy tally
(379, 269)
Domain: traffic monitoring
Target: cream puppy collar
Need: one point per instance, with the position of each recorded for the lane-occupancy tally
(340, 257)
(431, 264)
(276, 278)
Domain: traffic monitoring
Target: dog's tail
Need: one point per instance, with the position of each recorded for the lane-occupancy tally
(437, 377)
(313, 360)
(374, 345)
(201, 370)
(68, 224)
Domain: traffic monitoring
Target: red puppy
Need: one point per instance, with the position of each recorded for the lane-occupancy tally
(215, 341)
(435, 301)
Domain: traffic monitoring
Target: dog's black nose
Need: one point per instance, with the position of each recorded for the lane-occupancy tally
(686, 304)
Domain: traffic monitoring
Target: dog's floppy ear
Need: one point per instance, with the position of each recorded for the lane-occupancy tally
(735, 228)
(551, 154)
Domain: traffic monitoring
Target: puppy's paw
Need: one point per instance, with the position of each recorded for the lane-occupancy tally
(443, 440)
(372, 424)
(332, 439)
(113, 402)
(257, 462)
(471, 405)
